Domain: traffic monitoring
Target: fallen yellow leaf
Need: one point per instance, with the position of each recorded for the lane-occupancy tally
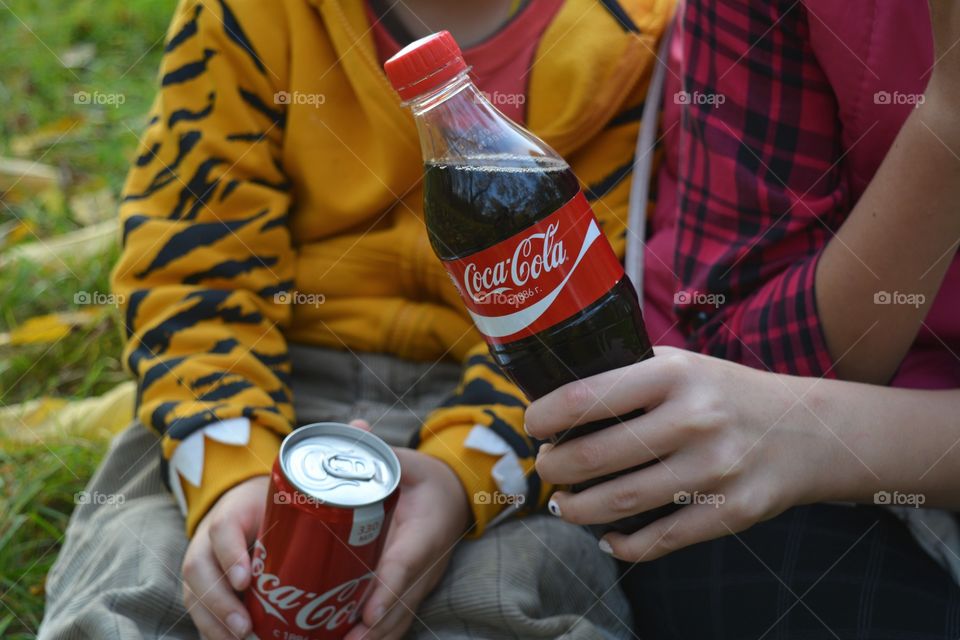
(51, 327)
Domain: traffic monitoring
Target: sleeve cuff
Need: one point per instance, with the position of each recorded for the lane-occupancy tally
(475, 470)
(215, 459)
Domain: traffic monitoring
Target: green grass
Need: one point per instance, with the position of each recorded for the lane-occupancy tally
(37, 487)
(37, 483)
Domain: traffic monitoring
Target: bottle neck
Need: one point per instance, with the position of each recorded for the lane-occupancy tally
(458, 124)
(423, 104)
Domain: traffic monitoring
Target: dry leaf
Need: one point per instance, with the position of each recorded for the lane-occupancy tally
(51, 327)
(59, 130)
(14, 231)
(59, 250)
(50, 419)
(94, 206)
(27, 177)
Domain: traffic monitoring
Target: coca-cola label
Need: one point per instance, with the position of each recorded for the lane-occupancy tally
(539, 277)
(303, 611)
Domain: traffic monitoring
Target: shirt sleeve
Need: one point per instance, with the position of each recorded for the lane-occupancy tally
(761, 189)
(207, 255)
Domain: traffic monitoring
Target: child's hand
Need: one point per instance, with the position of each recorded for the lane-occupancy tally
(217, 563)
(431, 517)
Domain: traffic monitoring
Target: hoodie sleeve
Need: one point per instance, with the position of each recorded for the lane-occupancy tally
(207, 255)
(478, 432)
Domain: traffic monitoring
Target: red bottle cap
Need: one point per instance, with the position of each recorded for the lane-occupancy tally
(424, 65)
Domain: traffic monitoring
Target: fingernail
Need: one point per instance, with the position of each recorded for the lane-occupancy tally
(378, 612)
(236, 575)
(553, 507)
(238, 624)
(525, 430)
(605, 546)
(544, 449)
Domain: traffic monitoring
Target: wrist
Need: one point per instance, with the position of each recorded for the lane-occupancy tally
(841, 472)
(454, 485)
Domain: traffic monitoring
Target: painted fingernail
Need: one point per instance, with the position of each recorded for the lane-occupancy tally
(236, 575)
(605, 547)
(238, 624)
(553, 507)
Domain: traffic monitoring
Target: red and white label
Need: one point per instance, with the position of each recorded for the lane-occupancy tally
(334, 609)
(539, 277)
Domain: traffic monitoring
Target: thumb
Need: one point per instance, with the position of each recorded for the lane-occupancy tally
(234, 528)
(404, 560)
(229, 542)
(360, 424)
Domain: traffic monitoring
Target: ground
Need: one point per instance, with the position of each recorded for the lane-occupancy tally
(77, 80)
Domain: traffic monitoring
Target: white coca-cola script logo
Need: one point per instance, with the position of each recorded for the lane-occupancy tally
(535, 255)
(329, 610)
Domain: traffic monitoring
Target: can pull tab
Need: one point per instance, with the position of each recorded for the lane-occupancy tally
(349, 467)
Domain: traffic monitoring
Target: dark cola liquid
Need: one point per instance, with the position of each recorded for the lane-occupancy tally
(469, 207)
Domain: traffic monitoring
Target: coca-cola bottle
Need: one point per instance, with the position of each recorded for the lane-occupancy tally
(507, 217)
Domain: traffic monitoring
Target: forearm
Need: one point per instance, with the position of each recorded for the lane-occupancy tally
(899, 240)
(882, 439)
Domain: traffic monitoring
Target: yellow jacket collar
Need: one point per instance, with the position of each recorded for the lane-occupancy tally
(586, 64)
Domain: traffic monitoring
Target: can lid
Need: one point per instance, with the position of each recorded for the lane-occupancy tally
(339, 465)
(425, 64)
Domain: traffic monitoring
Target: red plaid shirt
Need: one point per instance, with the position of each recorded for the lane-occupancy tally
(762, 182)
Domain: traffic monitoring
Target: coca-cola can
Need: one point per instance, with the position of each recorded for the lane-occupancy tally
(332, 492)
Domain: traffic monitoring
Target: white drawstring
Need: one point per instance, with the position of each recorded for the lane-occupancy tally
(643, 168)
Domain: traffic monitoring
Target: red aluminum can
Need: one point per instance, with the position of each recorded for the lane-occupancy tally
(332, 492)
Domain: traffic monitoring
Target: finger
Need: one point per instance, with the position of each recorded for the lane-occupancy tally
(229, 543)
(393, 578)
(360, 424)
(620, 446)
(605, 395)
(403, 562)
(398, 619)
(626, 495)
(205, 580)
(690, 525)
(359, 632)
(209, 626)
(394, 624)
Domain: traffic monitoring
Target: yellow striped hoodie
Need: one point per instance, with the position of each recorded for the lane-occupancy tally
(243, 206)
